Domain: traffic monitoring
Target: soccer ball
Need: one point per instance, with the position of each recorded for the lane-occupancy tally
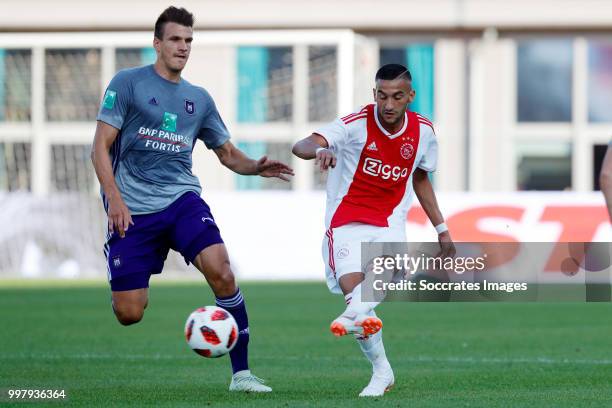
(211, 331)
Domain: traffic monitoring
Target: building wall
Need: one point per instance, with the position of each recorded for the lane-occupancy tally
(385, 15)
(484, 54)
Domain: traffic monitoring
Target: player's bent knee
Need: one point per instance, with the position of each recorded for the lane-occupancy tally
(226, 281)
(129, 305)
(128, 316)
(128, 313)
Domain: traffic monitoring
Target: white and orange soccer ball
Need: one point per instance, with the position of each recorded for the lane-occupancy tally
(211, 331)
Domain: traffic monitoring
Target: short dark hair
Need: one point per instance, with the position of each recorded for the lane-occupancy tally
(390, 72)
(172, 15)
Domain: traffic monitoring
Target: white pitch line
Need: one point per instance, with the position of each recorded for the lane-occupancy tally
(420, 359)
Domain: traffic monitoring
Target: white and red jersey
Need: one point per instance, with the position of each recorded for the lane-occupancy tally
(370, 183)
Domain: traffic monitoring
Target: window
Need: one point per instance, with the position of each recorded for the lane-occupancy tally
(392, 55)
(419, 58)
(544, 80)
(71, 168)
(72, 84)
(15, 166)
(544, 166)
(265, 84)
(600, 81)
(15, 80)
(322, 83)
(134, 57)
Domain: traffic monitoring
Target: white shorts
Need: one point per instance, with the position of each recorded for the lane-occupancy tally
(342, 248)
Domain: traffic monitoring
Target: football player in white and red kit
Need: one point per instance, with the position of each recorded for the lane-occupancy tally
(374, 157)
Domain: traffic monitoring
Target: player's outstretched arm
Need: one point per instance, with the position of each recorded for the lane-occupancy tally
(119, 217)
(427, 197)
(234, 159)
(315, 147)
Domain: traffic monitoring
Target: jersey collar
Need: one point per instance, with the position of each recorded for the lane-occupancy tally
(385, 131)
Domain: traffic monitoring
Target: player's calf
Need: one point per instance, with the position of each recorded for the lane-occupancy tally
(222, 283)
(214, 264)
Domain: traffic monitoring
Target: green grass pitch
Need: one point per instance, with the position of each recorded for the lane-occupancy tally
(444, 355)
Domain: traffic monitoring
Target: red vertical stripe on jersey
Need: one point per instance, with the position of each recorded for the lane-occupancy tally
(379, 182)
(330, 248)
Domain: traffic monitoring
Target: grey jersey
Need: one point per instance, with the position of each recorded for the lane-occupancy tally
(159, 122)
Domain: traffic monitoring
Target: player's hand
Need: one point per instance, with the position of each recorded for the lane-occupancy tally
(447, 247)
(273, 168)
(325, 159)
(119, 218)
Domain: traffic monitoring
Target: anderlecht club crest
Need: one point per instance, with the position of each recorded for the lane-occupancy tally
(189, 107)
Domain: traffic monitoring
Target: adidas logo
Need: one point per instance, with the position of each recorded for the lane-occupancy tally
(372, 147)
(153, 101)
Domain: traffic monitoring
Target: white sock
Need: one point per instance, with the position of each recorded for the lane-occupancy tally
(358, 306)
(374, 349)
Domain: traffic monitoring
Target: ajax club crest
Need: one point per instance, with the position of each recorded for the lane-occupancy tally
(407, 151)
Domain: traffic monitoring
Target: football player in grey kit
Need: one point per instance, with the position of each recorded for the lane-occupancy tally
(148, 124)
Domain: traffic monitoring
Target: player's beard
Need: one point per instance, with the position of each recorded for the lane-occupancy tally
(392, 122)
(396, 120)
(175, 70)
(174, 67)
